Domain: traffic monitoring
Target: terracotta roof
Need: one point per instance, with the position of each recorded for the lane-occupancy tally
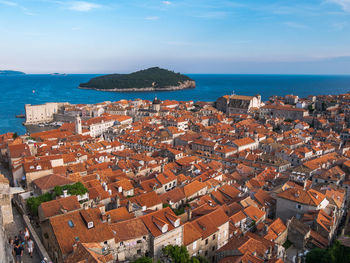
(191, 234)
(129, 229)
(119, 214)
(50, 181)
(69, 227)
(60, 206)
(89, 252)
(308, 197)
(193, 187)
(151, 221)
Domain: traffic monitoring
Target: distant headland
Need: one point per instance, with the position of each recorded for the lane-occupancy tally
(11, 72)
(152, 79)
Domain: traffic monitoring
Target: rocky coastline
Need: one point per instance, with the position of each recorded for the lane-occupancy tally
(189, 84)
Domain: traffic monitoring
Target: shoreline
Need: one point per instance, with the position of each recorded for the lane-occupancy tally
(185, 85)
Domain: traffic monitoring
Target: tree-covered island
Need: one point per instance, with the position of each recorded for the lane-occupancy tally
(152, 79)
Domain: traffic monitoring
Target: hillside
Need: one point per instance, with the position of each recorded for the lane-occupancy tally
(152, 79)
(11, 72)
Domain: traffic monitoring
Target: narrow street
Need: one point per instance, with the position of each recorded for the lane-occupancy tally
(13, 230)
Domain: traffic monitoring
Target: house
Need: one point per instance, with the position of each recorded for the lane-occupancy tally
(165, 228)
(90, 252)
(277, 232)
(58, 207)
(245, 143)
(279, 111)
(298, 233)
(213, 229)
(64, 232)
(175, 197)
(47, 183)
(142, 202)
(296, 202)
(132, 239)
(195, 189)
(334, 175)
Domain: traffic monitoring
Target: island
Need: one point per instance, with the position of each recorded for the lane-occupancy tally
(11, 73)
(152, 79)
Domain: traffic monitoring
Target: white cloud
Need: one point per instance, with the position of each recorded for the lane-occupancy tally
(166, 2)
(345, 4)
(152, 18)
(9, 3)
(296, 25)
(212, 15)
(82, 6)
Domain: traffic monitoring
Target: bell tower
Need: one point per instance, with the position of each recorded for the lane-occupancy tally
(78, 128)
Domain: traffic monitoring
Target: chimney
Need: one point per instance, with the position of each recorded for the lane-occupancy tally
(102, 209)
(103, 218)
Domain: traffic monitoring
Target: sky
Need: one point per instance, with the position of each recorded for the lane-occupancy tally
(188, 36)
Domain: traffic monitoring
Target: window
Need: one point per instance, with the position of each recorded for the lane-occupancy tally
(299, 206)
(70, 223)
(139, 252)
(194, 245)
(206, 253)
(213, 248)
(121, 243)
(206, 241)
(214, 237)
(139, 241)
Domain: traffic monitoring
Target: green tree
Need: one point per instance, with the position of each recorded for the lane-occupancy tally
(143, 259)
(311, 108)
(337, 253)
(318, 255)
(178, 254)
(33, 203)
(15, 135)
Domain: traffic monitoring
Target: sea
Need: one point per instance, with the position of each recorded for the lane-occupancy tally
(16, 91)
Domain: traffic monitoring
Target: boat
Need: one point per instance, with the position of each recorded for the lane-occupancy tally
(22, 116)
(58, 74)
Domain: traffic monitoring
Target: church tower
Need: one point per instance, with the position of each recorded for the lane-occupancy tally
(156, 104)
(78, 128)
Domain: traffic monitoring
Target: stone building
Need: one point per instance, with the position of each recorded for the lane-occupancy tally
(5, 201)
(6, 218)
(238, 104)
(279, 111)
(41, 113)
(296, 202)
(165, 229)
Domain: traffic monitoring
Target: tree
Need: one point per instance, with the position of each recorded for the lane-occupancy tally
(318, 255)
(179, 254)
(311, 108)
(337, 253)
(143, 259)
(15, 135)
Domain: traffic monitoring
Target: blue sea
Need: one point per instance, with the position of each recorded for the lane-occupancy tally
(16, 91)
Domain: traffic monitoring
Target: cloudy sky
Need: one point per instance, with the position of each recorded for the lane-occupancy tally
(190, 36)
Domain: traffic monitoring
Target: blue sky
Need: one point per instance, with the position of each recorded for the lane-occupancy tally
(190, 36)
